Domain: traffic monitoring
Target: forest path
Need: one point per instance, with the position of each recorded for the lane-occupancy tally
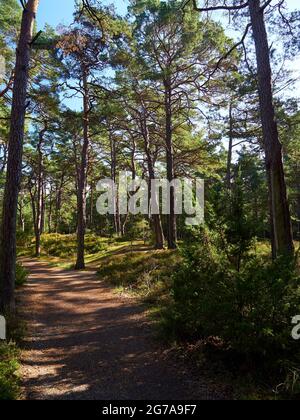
(84, 342)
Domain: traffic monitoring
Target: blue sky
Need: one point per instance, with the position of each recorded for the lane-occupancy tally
(55, 12)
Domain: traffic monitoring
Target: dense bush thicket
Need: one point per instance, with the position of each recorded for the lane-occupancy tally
(249, 310)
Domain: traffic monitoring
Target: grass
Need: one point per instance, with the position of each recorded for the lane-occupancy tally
(61, 246)
(9, 366)
(140, 270)
(9, 360)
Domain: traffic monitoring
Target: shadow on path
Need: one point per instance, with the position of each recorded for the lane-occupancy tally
(86, 343)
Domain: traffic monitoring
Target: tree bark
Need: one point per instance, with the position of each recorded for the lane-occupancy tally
(50, 210)
(40, 193)
(92, 206)
(58, 200)
(32, 198)
(282, 238)
(172, 227)
(117, 218)
(230, 148)
(156, 218)
(81, 193)
(21, 215)
(14, 164)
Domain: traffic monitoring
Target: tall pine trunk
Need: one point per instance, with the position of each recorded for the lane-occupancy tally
(14, 164)
(82, 182)
(50, 210)
(282, 238)
(58, 201)
(172, 226)
(40, 193)
(113, 151)
(230, 150)
(156, 218)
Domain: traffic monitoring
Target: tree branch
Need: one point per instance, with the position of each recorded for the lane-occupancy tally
(214, 8)
(36, 38)
(241, 42)
(8, 86)
(264, 6)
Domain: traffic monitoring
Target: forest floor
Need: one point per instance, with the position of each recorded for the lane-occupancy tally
(86, 342)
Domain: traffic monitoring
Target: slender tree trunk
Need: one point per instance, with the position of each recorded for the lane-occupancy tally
(39, 206)
(124, 221)
(230, 149)
(21, 216)
(282, 237)
(92, 207)
(81, 194)
(14, 164)
(50, 210)
(156, 218)
(44, 210)
(117, 219)
(172, 227)
(33, 209)
(58, 200)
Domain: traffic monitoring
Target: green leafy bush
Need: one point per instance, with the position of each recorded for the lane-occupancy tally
(249, 310)
(56, 245)
(21, 275)
(23, 238)
(94, 244)
(9, 381)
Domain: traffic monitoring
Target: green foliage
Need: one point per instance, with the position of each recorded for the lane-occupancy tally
(58, 245)
(249, 310)
(10, 17)
(141, 270)
(9, 382)
(23, 239)
(21, 275)
(138, 230)
(240, 229)
(65, 245)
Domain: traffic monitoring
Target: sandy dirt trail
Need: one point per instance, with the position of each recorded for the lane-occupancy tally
(86, 343)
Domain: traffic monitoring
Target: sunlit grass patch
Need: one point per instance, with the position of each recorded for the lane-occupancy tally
(142, 271)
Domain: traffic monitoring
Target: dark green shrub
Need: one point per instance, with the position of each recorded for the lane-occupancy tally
(249, 310)
(93, 245)
(21, 275)
(23, 239)
(9, 382)
(57, 245)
